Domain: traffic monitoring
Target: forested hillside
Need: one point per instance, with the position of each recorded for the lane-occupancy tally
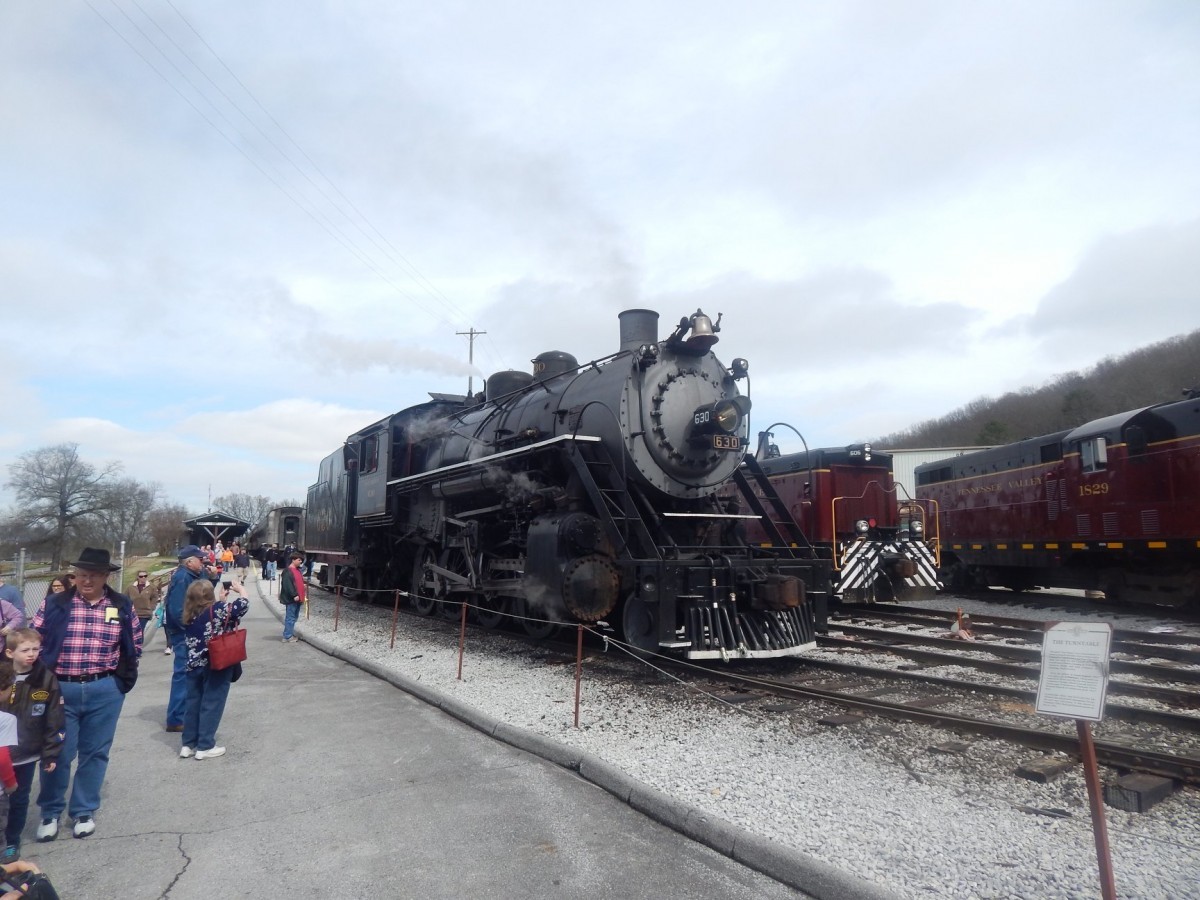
(1152, 374)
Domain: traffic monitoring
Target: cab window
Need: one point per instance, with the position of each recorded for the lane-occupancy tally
(370, 455)
(1094, 454)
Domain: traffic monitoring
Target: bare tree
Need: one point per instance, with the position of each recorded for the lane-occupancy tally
(57, 492)
(246, 507)
(165, 525)
(129, 505)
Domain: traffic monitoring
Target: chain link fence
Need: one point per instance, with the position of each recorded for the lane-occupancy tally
(32, 578)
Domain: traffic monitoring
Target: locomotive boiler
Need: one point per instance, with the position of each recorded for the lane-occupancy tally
(581, 493)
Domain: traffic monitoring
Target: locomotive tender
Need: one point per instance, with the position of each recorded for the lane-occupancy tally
(846, 501)
(580, 493)
(1111, 506)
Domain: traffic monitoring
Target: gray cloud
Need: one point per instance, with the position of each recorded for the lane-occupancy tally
(1132, 288)
(845, 317)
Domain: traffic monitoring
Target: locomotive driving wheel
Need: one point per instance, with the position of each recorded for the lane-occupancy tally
(450, 602)
(492, 610)
(533, 620)
(427, 585)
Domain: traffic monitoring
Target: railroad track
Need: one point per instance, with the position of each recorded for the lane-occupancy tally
(863, 689)
(863, 694)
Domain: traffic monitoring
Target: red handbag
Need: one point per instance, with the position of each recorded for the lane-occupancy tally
(227, 648)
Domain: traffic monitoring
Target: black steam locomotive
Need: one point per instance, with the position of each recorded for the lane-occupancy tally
(580, 493)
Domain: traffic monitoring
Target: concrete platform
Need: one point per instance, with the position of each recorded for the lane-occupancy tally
(337, 784)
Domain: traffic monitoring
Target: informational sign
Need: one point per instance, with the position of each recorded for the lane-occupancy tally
(1074, 677)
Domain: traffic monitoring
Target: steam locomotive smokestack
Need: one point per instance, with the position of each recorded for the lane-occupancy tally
(638, 326)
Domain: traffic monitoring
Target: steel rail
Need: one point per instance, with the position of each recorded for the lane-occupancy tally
(1124, 641)
(1028, 654)
(1182, 768)
(1116, 710)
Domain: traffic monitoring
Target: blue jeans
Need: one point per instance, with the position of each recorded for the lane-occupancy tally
(18, 803)
(207, 691)
(177, 702)
(291, 612)
(92, 710)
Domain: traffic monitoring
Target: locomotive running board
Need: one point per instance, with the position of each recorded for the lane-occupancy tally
(482, 462)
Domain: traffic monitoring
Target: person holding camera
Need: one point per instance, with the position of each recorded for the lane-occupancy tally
(207, 689)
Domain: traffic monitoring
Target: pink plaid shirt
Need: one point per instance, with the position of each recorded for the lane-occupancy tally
(92, 643)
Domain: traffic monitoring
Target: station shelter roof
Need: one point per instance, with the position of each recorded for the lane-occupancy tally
(215, 526)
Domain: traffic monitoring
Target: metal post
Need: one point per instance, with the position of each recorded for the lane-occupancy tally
(337, 606)
(121, 563)
(1108, 889)
(395, 616)
(19, 577)
(578, 670)
(462, 637)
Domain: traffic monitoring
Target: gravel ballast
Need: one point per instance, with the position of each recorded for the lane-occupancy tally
(875, 800)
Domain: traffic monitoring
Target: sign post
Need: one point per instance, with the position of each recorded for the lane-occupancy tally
(1073, 685)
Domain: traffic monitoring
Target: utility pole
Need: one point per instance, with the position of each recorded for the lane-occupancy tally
(470, 353)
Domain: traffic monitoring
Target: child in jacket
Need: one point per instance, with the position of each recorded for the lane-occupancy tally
(29, 692)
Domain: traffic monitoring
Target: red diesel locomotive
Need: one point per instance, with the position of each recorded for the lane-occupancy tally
(846, 503)
(1110, 506)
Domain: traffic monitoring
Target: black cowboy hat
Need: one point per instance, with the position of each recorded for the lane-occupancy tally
(95, 560)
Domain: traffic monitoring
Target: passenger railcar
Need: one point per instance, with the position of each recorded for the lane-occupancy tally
(1110, 506)
(282, 526)
(580, 493)
(847, 503)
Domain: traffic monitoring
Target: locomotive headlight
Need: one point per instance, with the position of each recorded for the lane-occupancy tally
(916, 528)
(717, 426)
(862, 526)
(721, 417)
(726, 416)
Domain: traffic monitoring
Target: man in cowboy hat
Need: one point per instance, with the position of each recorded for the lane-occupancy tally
(91, 640)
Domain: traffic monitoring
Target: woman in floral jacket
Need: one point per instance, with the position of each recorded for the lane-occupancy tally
(207, 689)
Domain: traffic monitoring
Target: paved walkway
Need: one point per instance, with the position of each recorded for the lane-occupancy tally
(336, 784)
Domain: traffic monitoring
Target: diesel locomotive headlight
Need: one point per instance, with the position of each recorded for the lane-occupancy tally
(862, 526)
(916, 528)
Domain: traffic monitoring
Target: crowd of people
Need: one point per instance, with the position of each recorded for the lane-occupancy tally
(64, 675)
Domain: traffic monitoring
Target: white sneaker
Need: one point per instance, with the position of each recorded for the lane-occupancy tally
(83, 826)
(186, 752)
(47, 831)
(209, 754)
(167, 650)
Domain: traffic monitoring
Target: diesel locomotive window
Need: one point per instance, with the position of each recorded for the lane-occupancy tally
(369, 455)
(1051, 452)
(933, 476)
(1094, 454)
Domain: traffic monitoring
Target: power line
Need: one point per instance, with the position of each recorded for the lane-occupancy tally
(279, 180)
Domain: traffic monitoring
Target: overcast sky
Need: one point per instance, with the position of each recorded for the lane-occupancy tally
(235, 232)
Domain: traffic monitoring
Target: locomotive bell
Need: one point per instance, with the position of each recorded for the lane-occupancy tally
(703, 334)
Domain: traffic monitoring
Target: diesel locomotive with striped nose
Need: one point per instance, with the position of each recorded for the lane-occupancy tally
(593, 493)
